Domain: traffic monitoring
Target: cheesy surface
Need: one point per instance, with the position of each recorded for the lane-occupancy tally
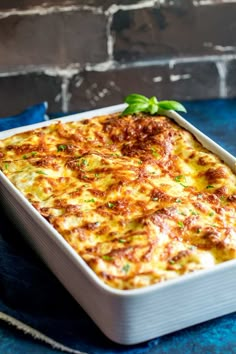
(138, 197)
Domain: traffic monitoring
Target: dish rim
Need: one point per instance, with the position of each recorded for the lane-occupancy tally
(229, 159)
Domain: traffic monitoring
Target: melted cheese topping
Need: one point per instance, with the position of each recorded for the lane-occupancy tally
(139, 198)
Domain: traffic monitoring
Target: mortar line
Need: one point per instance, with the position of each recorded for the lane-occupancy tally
(74, 69)
(41, 11)
(65, 97)
(212, 2)
(222, 71)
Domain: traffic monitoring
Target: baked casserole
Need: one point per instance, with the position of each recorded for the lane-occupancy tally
(137, 197)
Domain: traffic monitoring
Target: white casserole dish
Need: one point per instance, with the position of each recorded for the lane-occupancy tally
(125, 316)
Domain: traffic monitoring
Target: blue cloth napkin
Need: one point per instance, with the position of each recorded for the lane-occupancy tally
(30, 293)
(31, 115)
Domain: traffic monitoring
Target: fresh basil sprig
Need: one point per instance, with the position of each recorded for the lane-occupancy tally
(139, 103)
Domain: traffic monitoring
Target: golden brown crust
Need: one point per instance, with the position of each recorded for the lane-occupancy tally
(138, 197)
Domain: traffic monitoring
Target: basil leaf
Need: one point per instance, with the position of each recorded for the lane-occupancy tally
(153, 100)
(136, 98)
(139, 103)
(174, 105)
(153, 108)
(135, 108)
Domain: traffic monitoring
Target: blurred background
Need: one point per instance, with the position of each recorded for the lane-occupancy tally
(80, 54)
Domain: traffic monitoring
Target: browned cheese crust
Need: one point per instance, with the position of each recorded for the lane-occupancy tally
(137, 197)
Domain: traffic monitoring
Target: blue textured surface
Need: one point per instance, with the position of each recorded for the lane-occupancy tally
(31, 293)
(31, 115)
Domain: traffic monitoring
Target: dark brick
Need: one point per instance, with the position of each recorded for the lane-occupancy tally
(21, 91)
(99, 89)
(55, 39)
(185, 81)
(198, 80)
(231, 79)
(175, 30)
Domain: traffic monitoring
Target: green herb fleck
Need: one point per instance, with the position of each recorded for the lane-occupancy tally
(110, 205)
(107, 258)
(178, 200)
(193, 212)
(209, 186)
(122, 240)
(211, 213)
(180, 179)
(6, 166)
(181, 224)
(171, 261)
(84, 162)
(41, 172)
(140, 162)
(126, 268)
(154, 152)
(89, 200)
(139, 103)
(34, 153)
(61, 147)
(24, 157)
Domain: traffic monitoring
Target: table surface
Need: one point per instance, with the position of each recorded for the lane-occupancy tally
(217, 119)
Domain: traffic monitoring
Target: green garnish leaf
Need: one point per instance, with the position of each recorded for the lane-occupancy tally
(122, 240)
(89, 200)
(181, 224)
(126, 268)
(139, 103)
(136, 107)
(61, 147)
(107, 258)
(154, 152)
(41, 172)
(171, 105)
(136, 98)
(171, 261)
(110, 205)
(180, 178)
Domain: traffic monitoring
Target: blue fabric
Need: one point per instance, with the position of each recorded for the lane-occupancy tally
(29, 292)
(31, 115)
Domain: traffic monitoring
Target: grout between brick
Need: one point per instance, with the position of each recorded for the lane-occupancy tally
(75, 69)
(42, 11)
(222, 68)
(139, 5)
(65, 96)
(110, 38)
(212, 2)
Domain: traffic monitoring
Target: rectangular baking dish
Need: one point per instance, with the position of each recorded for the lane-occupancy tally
(125, 316)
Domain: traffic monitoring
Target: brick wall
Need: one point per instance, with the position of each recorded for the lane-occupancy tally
(82, 54)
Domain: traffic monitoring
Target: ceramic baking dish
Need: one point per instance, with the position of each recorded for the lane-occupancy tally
(125, 316)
